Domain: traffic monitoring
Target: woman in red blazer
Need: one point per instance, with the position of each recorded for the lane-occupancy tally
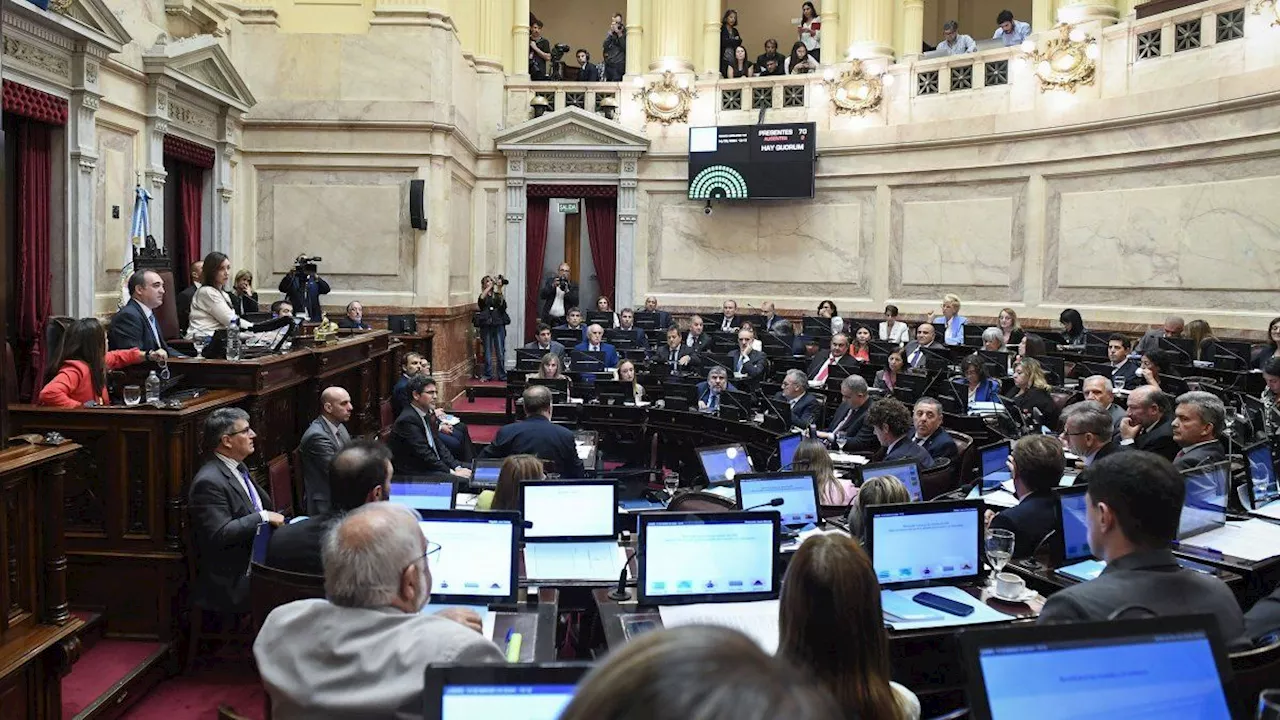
(82, 365)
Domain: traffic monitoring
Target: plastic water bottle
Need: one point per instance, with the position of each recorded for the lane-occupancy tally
(233, 340)
(153, 387)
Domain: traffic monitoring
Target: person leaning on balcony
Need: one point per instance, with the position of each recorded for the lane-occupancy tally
(953, 43)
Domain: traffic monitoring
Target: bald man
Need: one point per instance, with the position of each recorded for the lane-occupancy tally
(323, 439)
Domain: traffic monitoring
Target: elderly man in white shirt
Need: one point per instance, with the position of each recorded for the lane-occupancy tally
(953, 43)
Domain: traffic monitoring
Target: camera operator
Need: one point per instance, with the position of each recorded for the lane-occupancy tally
(491, 320)
(558, 294)
(615, 51)
(539, 52)
(303, 287)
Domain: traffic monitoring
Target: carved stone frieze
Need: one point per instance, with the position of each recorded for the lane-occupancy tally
(38, 58)
(191, 118)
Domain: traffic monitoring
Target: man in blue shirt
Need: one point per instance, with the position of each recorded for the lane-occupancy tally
(1013, 32)
(595, 343)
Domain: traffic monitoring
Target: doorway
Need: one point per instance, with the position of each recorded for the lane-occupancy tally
(576, 224)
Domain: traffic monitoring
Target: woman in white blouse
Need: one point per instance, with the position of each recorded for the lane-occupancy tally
(892, 328)
(810, 30)
(211, 307)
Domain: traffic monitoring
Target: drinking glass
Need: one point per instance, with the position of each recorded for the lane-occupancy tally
(199, 341)
(671, 482)
(841, 439)
(132, 395)
(999, 549)
(1269, 704)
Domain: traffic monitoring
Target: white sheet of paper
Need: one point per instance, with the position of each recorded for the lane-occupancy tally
(981, 613)
(486, 615)
(1270, 510)
(573, 561)
(848, 459)
(1253, 540)
(757, 620)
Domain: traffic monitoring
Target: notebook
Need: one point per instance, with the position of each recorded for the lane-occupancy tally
(1167, 667)
(996, 485)
(797, 490)
(905, 470)
(530, 692)
(476, 562)
(936, 543)
(484, 474)
(1205, 507)
(724, 462)
(570, 530)
(1069, 549)
(1263, 487)
(422, 493)
(787, 445)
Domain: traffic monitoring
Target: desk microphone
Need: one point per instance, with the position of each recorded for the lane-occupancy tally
(776, 502)
(619, 593)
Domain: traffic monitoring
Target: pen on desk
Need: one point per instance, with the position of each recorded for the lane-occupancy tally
(514, 640)
(1197, 548)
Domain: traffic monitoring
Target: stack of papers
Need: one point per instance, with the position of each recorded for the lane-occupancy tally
(593, 561)
(848, 459)
(1252, 540)
(486, 616)
(1270, 510)
(902, 612)
(757, 620)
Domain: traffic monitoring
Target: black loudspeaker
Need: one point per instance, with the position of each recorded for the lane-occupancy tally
(417, 212)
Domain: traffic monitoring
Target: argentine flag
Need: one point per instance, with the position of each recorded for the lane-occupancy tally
(137, 237)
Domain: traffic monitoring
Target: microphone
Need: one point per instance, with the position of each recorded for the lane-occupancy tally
(776, 502)
(619, 592)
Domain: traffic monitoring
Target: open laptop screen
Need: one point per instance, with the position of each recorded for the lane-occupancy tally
(906, 471)
(569, 510)
(422, 493)
(1262, 474)
(537, 692)
(476, 562)
(1205, 506)
(995, 468)
(1168, 667)
(714, 557)
(1071, 541)
(787, 445)
(797, 490)
(724, 462)
(923, 543)
(484, 473)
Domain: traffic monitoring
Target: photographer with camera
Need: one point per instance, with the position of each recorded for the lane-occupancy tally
(303, 287)
(539, 52)
(615, 51)
(491, 320)
(558, 294)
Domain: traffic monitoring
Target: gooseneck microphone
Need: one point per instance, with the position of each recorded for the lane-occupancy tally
(776, 502)
(619, 593)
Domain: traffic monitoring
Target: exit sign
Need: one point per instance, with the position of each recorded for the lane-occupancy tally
(568, 207)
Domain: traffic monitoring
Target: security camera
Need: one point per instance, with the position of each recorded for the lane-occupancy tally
(707, 210)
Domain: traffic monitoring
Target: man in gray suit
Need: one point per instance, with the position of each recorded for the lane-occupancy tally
(320, 443)
(1133, 505)
(362, 651)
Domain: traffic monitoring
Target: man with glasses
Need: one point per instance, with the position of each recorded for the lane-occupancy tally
(226, 507)
(795, 385)
(1086, 431)
(362, 650)
(953, 43)
(416, 448)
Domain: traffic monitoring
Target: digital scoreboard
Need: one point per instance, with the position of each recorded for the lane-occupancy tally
(752, 162)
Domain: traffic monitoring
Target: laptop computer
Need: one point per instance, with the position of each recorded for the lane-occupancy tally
(993, 466)
(687, 558)
(529, 692)
(1165, 667)
(905, 470)
(797, 490)
(724, 462)
(1203, 528)
(422, 492)
(921, 544)
(476, 563)
(1205, 507)
(484, 473)
(570, 530)
(1264, 490)
(787, 445)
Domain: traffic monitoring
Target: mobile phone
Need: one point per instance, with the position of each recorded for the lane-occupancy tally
(937, 602)
(635, 628)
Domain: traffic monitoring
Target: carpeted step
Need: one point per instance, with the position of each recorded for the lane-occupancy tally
(111, 675)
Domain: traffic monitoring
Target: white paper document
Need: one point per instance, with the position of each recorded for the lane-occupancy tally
(486, 616)
(573, 561)
(757, 620)
(1270, 510)
(848, 459)
(981, 613)
(1252, 540)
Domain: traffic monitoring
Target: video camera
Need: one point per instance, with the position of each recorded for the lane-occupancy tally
(306, 264)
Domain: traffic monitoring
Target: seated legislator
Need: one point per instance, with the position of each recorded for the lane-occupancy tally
(696, 339)
(952, 321)
(1099, 389)
(827, 310)
(1124, 369)
(411, 364)
(627, 373)
(929, 434)
(1132, 509)
(1086, 431)
(1011, 332)
(860, 348)
(1270, 350)
(878, 490)
(850, 418)
(323, 438)
(537, 435)
(893, 329)
(77, 374)
(675, 356)
(1033, 397)
(1154, 366)
(595, 343)
(926, 337)
(550, 367)
(820, 368)
(515, 470)
(709, 390)
(1198, 420)
(362, 650)
(542, 341)
(1036, 465)
(416, 449)
(979, 386)
(1073, 332)
(243, 297)
(993, 340)
(651, 306)
(211, 308)
(729, 320)
(892, 423)
(887, 378)
(195, 274)
(354, 318)
(281, 308)
(847, 650)
(135, 324)
(804, 405)
(573, 321)
(811, 456)
(226, 506)
(360, 473)
(1148, 423)
(1172, 328)
(746, 361)
(627, 323)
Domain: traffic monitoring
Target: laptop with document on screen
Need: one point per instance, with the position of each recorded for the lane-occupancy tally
(934, 543)
(422, 492)
(529, 692)
(724, 462)
(908, 471)
(686, 558)
(797, 490)
(570, 530)
(477, 560)
(1203, 526)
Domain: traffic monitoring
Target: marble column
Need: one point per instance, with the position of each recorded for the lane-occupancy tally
(82, 146)
(628, 216)
(671, 33)
(1083, 11)
(872, 24)
(710, 40)
(912, 26)
(519, 38)
(490, 19)
(158, 92)
(228, 141)
(517, 205)
(1043, 15)
(635, 38)
(833, 45)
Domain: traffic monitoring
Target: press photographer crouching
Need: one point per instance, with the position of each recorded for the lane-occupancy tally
(303, 287)
(491, 321)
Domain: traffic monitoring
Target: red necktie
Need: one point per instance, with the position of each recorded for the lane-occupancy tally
(822, 374)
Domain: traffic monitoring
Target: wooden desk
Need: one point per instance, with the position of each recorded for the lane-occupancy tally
(38, 640)
(1042, 578)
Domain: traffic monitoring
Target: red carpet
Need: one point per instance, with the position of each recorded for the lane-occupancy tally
(98, 669)
(481, 405)
(483, 434)
(214, 682)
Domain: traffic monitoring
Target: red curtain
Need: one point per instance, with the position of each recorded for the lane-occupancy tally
(190, 179)
(536, 222)
(33, 279)
(602, 231)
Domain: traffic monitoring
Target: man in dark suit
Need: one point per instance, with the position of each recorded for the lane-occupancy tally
(544, 343)
(675, 355)
(696, 339)
(709, 390)
(135, 324)
(929, 434)
(839, 355)
(595, 343)
(324, 437)
(360, 473)
(557, 295)
(1173, 327)
(747, 362)
(651, 306)
(354, 319)
(1123, 368)
(303, 287)
(410, 365)
(1086, 431)
(416, 449)
(729, 319)
(1134, 502)
(804, 406)
(1263, 618)
(1036, 465)
(1197, 421)
(1147, 424)
(573, 321)
(1099, 389)
(926, 337)
(627, 324)
(537, 435)
(226, 507)
(850, 417)
(183, 301)
(891, 421)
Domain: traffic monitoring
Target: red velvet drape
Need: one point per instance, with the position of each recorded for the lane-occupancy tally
(190, 179)
(602, 232)
(537, 218)
(33, 279)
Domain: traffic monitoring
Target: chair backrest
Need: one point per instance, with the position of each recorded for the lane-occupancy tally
(280, 480)
(269, 588)
(385, 419)
(167, 313)
(9, 393)
(699, 501)
(936, 480)
(1253, 671)
(966, 455)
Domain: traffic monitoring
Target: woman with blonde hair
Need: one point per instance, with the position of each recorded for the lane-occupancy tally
(627, 373)
(1200, 335)
(515, 470)
(1009, 327)
(1034, 392)
(243, 297)
(953, 322)
(812, 456)
(878, 490)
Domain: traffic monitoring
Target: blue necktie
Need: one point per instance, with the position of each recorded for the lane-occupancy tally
(253, 492)
(430, 439)
(155, 331)
(741, 360)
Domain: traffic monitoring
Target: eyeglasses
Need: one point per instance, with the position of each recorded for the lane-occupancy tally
(432, 549)
(1073, 434)
(240, 432)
